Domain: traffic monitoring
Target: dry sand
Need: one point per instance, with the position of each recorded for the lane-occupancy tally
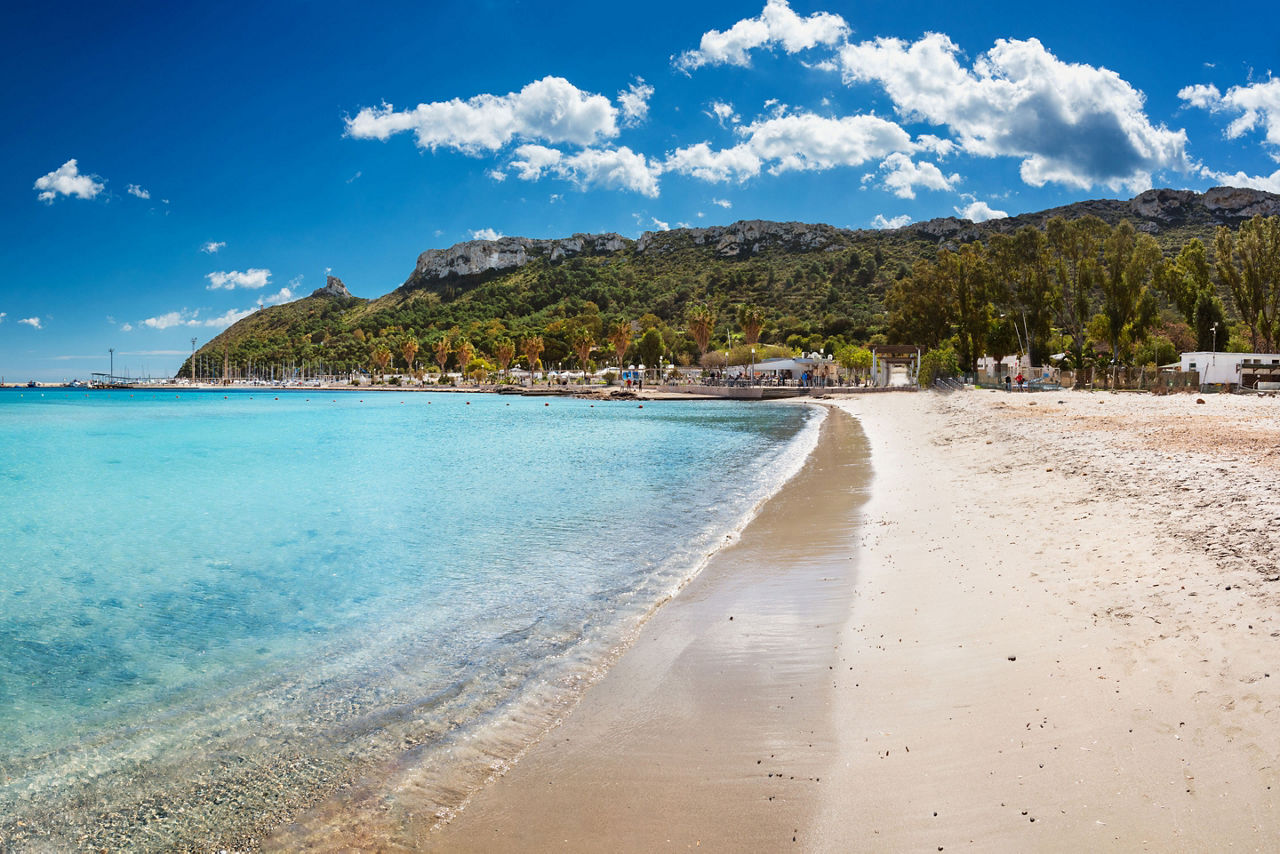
(1051, 628)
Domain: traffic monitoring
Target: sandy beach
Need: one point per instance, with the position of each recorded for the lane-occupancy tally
(1051, 627)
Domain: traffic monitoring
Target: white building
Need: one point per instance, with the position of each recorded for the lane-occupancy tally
(1242, 369)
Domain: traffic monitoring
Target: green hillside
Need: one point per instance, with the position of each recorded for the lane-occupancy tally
(817, 286)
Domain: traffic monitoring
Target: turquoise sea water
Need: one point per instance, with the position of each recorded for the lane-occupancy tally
(215, 608)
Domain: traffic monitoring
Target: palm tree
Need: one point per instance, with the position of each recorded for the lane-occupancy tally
(702, 319)
(465, 352)
(620, 338)
(583, 342)
(504, 350)
(443, 347)
(751, 319)
(381, 358)
(532, 350)
(409, 349)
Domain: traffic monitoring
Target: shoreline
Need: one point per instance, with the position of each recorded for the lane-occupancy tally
(747, 647)
(1059, 637)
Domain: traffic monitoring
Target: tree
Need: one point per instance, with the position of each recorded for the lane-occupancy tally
(967, 278)
(856, 360)
(1024, 288)
(532, 349)
(620, 338)
(1073, 247)
(1210, 323)
(1249, 264)
(702, 319)
(919, 313)
(442, 348)
(409, 349)
(504, 350)
(1188, 278)
(465, 351)
(650, 347)
(381, 358)
(582, 342)
(751, 319)
(1131, 263)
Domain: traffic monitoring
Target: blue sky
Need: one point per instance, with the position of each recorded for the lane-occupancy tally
(169, 167)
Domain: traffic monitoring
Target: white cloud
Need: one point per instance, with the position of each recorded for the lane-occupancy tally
(613, 168)
(1269, 183)
(881, 223)
(135, 190)
(66, 180)
(1258, 105)
(700, 161)
(793, 142)
(903, 175)
(126, 327)
(935, 144)
(281, 296)
(724, 113)
(192, 319)
(355, 176)
(212, 247)
(485, 234)
(634, 102)
(253, 279)
(33, 322)
(497, 175)
(660, 225)
(1071, 124)
(3, 315)
(164, 321)
(724, 203)
(978, 211)
(225, 319)
(550, 109)
(777, 25)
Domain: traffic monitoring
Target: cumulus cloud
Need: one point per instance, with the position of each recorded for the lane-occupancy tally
(724, 203)
(777, 25)
(551, 109)
(979, 211)
(281, 296)
(252, 279)
(903, 175)
(724, 113)
(485, 234)
(613, 168)
(33, 322)
(1071, 124)
(212, 247)
(66, 180)
(126, 327)
(659, 224)
(634, 102)
(193, 319)
(882, 223)
(1269, 183)
(1258, 105)
(225, 319)
(135, 190)
(786, 143)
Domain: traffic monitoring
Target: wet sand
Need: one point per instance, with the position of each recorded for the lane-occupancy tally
(1051, 628)
(716, 727)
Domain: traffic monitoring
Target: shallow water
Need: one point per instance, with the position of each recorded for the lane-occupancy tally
(216, 609)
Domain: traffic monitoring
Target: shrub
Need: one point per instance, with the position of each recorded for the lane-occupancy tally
(938, 364)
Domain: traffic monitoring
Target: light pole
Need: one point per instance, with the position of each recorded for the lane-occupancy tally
(111, 378)
(753, 366)
(193, 361)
